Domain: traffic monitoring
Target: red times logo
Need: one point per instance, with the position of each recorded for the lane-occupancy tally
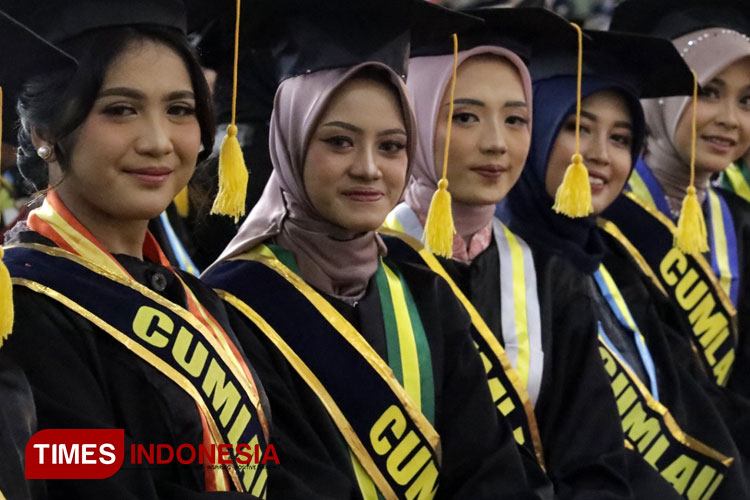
(99, 453)
(74, 453)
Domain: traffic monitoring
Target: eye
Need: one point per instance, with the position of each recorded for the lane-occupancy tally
(624, 140)
(570, 125)
(465, 118)
(119, 109)
(519, 121)
(339, 142)
(181, 109)
(392, 146)
(745, 102)
(708, 92)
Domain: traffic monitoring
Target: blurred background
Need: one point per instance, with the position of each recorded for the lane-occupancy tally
(593, 14)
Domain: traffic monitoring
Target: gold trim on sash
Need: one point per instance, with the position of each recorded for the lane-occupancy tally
(671, 424)
(484, 331)
(220, 349)
(141, 352)
(351, 335)
(611, 228)
(700, 259)
(355, 444)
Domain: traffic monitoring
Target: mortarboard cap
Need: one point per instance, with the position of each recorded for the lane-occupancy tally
(74, 17)
(674, 18)
(649, 66)
(522, 30)
(311, 35)
(24, 55)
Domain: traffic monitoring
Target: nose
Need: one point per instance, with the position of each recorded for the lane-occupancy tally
(364, 165)
(595, 149)
(727, 116)
(155, 138)
(492, 139)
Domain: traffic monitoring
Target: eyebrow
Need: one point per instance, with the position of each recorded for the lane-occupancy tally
(594, 118)
(354, 128)
(137, 94)
(477, 102)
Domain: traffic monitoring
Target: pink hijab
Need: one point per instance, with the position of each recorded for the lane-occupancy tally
(428, 79)
(708, 52)
(335, 260)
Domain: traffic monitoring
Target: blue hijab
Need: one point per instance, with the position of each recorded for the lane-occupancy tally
(528, 208)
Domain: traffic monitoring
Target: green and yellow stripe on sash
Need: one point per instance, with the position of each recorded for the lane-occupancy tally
(506, 386)
(736, 178)
(401, 392)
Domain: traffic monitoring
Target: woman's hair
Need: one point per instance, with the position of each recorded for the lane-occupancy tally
(55, 104)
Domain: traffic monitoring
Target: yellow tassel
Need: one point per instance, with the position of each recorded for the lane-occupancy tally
(232, 178)
(6, 301)
(691, 236)
(573, 196)
(182, 202)
(438, 228)
(233, 174)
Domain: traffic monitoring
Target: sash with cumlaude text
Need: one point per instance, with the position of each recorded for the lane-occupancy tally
(514, 373)
(687, 280)
(187, 345)
(384, 410)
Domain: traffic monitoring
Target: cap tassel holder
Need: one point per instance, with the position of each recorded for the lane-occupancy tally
(182, 202)
(439, 228)
(573, 196)
(6, 287)
(233, 174)
(691, 236)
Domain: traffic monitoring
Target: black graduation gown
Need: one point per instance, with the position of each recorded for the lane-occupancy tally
(740, 210)
(682, 389)
(17, 425)
(480, 459)
(583, 448)
(83, 378)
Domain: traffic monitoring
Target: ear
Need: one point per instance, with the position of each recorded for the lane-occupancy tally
(38, 140)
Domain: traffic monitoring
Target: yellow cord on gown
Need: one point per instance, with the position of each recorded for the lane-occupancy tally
(439, 228)
(6, 287)
(573, 196)
(233, 175)
(691, 236)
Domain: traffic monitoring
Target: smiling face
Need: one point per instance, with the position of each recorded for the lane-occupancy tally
(490, 133)
(606, 139)
(138, 146)
(356, 161)
(722, 120)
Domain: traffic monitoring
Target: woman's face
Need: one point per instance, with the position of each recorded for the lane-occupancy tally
(722, 120)
(139, 144)
(356, 161)
(490, 133)
(606, 139)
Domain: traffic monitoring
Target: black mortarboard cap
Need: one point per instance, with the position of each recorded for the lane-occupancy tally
(674, 18)
(61, 20)
(649, 66)
(24, 55)
(522, 30)
(311, 35)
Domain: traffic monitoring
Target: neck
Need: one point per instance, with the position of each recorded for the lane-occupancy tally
(116, 235)
(470, 219)
(675, 180)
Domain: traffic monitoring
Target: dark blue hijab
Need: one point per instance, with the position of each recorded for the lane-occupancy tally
(528, 208)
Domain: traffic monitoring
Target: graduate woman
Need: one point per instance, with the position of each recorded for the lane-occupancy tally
(378, 350)
(708, 287)
(687, 443)
(547, 356)
(109, 335)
